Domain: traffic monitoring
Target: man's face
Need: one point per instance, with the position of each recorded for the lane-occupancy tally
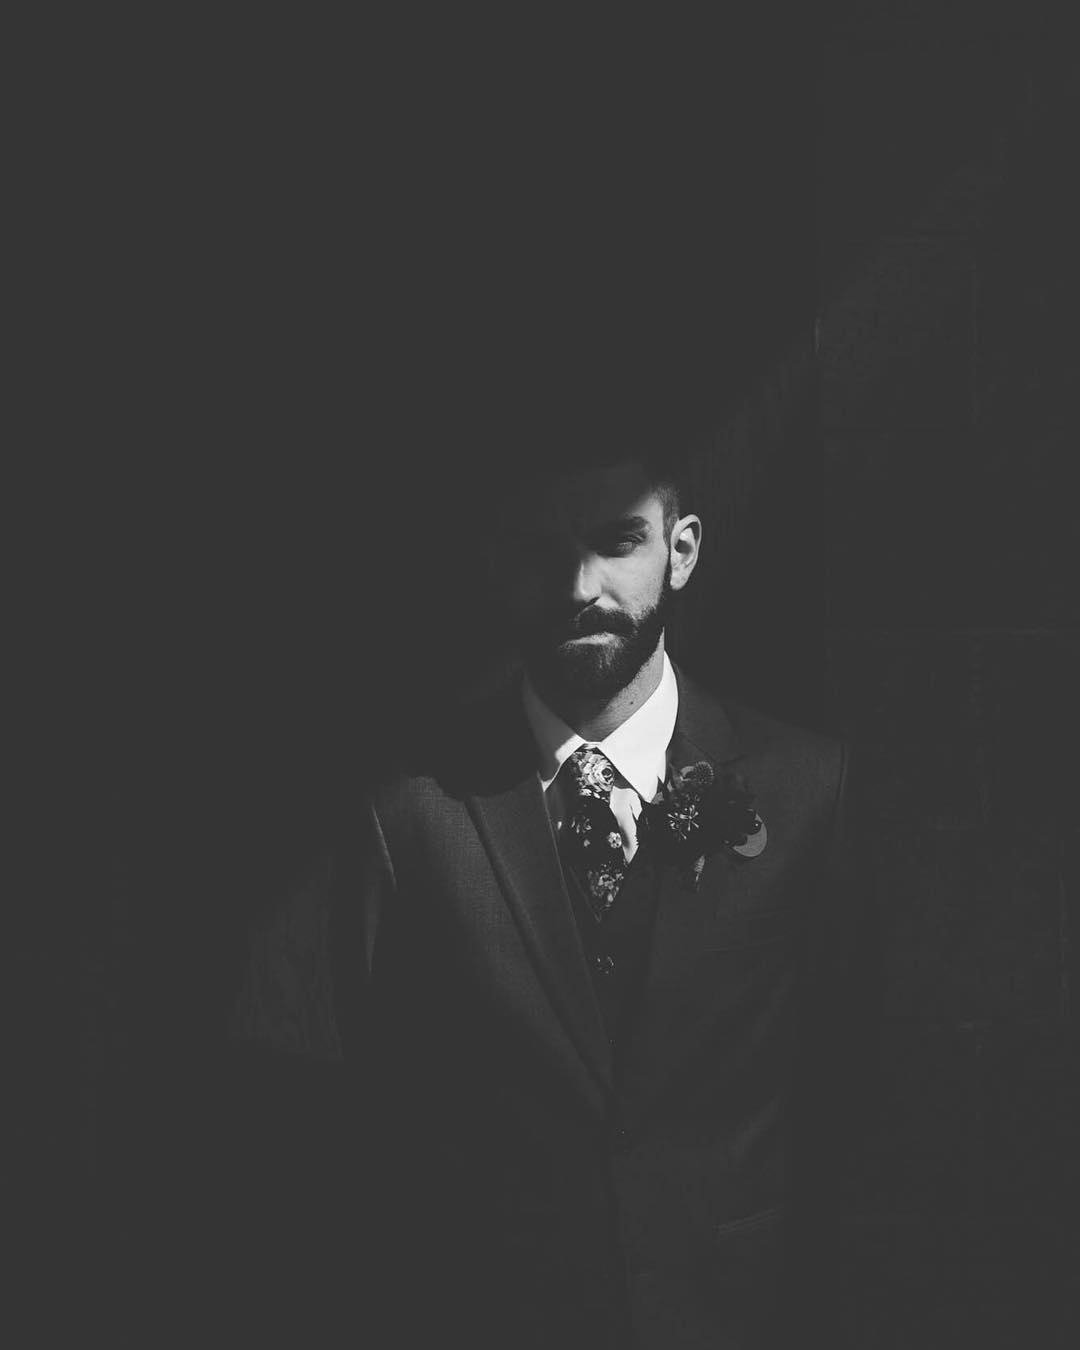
(588, 575)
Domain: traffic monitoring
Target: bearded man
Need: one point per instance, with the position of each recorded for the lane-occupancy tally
(587, 974)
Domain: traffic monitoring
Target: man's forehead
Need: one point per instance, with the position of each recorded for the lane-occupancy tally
(578, 500)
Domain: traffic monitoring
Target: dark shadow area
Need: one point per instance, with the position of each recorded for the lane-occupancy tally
(841, 260)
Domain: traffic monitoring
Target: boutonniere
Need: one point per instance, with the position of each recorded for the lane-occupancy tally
(697, 813)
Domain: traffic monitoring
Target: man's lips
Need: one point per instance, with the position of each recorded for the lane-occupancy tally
(609, 627)
(570, 635)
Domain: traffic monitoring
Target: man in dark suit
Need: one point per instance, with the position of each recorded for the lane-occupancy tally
(586, 974)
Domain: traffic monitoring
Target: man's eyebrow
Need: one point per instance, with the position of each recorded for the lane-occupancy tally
(540, 530)
(625, 523)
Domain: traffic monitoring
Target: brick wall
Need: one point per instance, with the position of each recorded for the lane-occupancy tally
(947, 347)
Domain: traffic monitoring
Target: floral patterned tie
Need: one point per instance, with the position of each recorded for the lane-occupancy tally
(593, 843)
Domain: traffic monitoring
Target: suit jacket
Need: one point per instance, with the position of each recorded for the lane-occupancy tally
(480, 1163)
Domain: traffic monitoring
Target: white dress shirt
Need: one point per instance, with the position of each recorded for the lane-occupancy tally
(637, 749)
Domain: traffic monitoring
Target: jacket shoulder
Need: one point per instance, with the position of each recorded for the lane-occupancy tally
(810, 761)
(752, 730)
(477, 748)
(760, 731)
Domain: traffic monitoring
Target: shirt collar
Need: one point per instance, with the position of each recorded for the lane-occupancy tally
(637, 748)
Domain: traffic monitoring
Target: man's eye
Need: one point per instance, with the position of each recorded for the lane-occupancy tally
(620, 544)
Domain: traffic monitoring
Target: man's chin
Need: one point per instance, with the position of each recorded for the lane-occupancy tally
(586, 667)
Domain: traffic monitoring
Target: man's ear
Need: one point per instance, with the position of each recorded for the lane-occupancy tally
(685, 547)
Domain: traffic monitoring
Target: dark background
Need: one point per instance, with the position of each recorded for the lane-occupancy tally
(318, 283)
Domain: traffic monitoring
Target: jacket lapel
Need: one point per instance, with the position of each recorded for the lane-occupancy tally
(513, 824)
(512, 821)
(702, 731)
(702, 728)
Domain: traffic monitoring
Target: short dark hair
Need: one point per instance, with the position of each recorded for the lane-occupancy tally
(667, 469)
(671, 499)
(666, 472)
(599, 416)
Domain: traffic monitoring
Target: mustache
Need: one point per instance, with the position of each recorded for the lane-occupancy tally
(589, 622)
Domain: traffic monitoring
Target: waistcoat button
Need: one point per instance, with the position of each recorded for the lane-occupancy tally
(622, 1141)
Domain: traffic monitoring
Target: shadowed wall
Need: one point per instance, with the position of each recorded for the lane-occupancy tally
(947, 226)
(894, 563)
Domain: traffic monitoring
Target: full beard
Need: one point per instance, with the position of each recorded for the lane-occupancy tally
(597, 671)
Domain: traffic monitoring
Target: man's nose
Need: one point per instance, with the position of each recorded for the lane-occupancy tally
(585, 579)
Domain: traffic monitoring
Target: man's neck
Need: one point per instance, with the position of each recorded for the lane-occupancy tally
(596, 719)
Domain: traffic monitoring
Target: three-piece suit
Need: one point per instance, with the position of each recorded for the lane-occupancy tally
(519, 1148)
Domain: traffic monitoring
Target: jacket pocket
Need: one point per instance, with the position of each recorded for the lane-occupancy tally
(748, 1279)
(750, 1223)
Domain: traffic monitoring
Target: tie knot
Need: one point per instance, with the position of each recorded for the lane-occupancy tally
(591, 772)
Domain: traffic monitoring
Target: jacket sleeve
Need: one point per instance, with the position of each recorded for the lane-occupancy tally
(846, 973)
(839, 1051)
(298, 1200)
(248, 1198)
(308, 958)
(362, 890)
